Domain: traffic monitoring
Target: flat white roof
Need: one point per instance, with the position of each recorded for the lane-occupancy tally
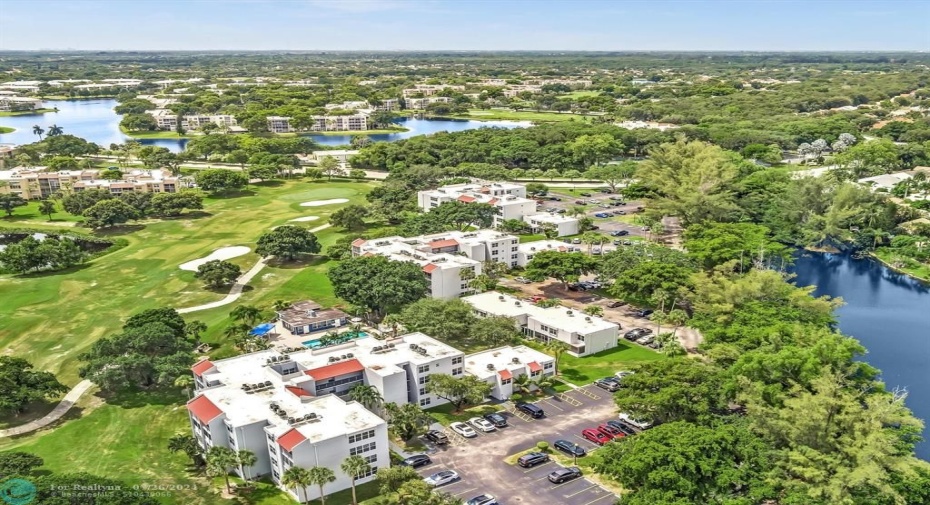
(549, 217)
(503, 358)
(546, 245)
(569, 320)
(243, 408)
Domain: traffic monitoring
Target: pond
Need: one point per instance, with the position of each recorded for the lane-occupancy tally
(95, 121)
(889, 313)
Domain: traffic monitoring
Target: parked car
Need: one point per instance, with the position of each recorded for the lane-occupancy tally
(584, 194)
(576, 241)
(596, 250)
(555, 198)
(580, 202)
(623, 373)
(480, 423)
(607, 385)
(623, 427)
(644, 312)
(463, 429)
(602, 215)
(441, 478)
(561, 211)
(417, 461)
(616, 197)
(619, 212)
(611, 431)
(636, 423)
(605, 206)
(633, 334)
(523, 280)
(619, 233)
(482, 499)
(645, 340)
(594, 202)
(595, 436)
(496, 419)
(437, 437)
(570, 448)
(531, 409)
(576, 287)
(563, 474)
(537, 298)
(613, 304)
(532, 459)
(645, 331)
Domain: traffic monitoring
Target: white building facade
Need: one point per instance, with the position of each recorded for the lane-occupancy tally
(499, 367)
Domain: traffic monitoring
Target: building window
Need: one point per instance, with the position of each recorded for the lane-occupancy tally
(369, 472)
(581, 338)
(358, 437)
(457, 371)
(423, 369)
(504, 382)
(458, 360)
(534, 374)
(424, 379)
(272, 449)
(513, 256)
(370, 446)
(548, 365)
(422, 391)
(371, 459)
(425, 401)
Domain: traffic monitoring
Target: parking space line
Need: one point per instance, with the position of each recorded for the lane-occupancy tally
(463, 492)
(572, 481)
(608, 495)
(568, 399)
(554, 405)
(528, 470)
(582, 491)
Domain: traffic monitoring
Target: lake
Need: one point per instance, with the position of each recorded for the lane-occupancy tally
(95, 121)
(886, 311)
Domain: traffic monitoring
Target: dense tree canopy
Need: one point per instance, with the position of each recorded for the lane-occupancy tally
(377, 283)
(287, 242)
(21, 385)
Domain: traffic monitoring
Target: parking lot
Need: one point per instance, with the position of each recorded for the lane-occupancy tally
(595, 204)
(480, 462)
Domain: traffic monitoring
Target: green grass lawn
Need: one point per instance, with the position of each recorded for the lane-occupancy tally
(155, 134)
(581, 371)
(532, 237)
(33, 112)
(6, 129)
(444, 415)
(96, 297)
(580, 94)
(25, 215)
(363, 132)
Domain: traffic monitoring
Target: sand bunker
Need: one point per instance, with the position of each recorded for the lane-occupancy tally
(223, 253)
(305, 219)
(318, 203)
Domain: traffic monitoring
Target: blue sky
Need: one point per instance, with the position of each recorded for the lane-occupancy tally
(617, 25)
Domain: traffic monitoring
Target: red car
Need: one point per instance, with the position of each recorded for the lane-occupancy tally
(595, 436)
(610, 431)
(537, 298)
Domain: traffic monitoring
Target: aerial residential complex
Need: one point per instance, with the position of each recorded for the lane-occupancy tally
(443, 256)
(352, 122)
(168, 120)
(10, 103)
(508, 198)
(36, 183)
(583, 334)
(498, 367)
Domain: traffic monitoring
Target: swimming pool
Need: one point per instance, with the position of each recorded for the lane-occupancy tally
(344, 337)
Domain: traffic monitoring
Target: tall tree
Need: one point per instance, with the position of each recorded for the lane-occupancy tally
(350, 217)
(407, 420)
(298, 478)
(186, 443)
(377, 283)
(458, 390)
(287, 242)
(249, 314)
(219, 461)
(368, 396)
(245, 459)
(22, 385)
(216, 273)
(321, 476)
(354, 466)
(108, 213)
(330, 167)
(38, 131)
(563, 266)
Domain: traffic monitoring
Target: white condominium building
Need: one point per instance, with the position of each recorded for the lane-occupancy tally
(583, 334)
(422, 103)
(168, 120)
(390, 104)
(279, 124)
(509, 199)
(527, 250)
(429, 89)
(36, 183)
(17, 103)
(499, 367)
(348, 105)
(443, 256)
(354, 122)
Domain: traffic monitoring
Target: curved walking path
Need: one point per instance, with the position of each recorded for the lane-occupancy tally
(236, 291)
(63, 406)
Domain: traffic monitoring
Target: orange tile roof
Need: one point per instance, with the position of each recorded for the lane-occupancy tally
(291, 439)
(203, 409)
(358, 242)
(466, 198)
(436, 244)
(336, 369)
(297, 391)
(201, 367)
(493, 201)
(505, 374)
(534, 366)
(429, 267)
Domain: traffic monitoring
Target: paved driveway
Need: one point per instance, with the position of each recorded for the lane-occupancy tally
(480, 460)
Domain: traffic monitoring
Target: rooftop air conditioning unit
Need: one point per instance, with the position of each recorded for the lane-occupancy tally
(312, 415)
(490, 366)
(291, 420)
(501, 297)
(587, 319)
(517, 303)
(532, 248)
(413, 346)
(376, 348)
(515, 360)
(391, 346)
(568, 312)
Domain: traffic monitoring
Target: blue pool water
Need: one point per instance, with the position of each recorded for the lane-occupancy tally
(349, 335)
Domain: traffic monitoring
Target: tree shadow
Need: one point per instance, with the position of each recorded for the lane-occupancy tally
(233, 194)
(141, 397)
(124, 229)
(302, 261)
(52, 273)
(272, 183)
(194, 214)
(74, 413)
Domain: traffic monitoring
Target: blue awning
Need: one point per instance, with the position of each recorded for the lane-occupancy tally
(261, 330)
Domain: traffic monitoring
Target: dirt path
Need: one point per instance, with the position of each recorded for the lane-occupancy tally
(63, 407)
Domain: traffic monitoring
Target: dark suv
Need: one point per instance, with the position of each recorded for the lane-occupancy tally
(531, 409)
(437, 437)
(496, 419)
(570, 448)
(532, 459)
(564, 474)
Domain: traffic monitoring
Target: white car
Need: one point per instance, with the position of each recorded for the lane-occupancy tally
(623, 373)
(441, 478)
(639, 423)
(482, 424)
(463, 429)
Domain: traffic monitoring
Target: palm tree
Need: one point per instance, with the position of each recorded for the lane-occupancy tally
(557, 348)
(542, 382)
(393, 321)
(54, 130)
(298, 478)
(522, 383)
(47, 207)
(184, 382)
(235, 331)
(353, 466)
(183, 442)
(590, 238)
(38, 130)
(219, 460)
(368, 396)
(280, 305)
(321, 476)
(250, 314)
(246, 459)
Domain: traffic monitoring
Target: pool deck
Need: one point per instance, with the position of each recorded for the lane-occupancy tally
(281, 337)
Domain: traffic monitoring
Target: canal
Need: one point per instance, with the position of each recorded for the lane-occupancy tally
(95, 121)
(888, 313)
